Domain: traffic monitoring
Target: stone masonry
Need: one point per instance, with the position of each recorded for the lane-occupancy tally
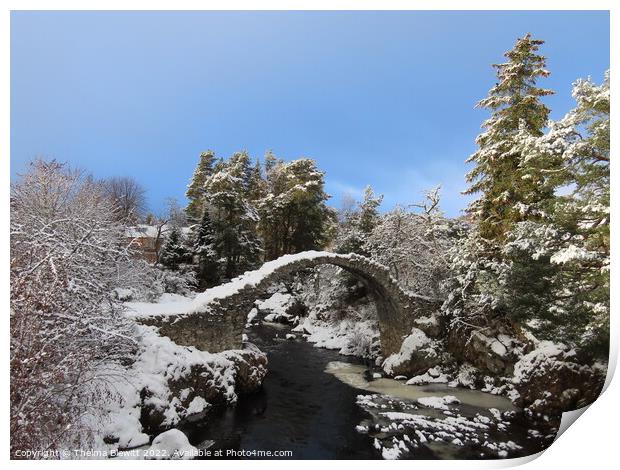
(219, 326)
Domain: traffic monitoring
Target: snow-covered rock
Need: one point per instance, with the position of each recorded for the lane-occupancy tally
(168, 383)
(417, 354)
(432, 375)
(549, 380)
(429, 325)
(277, 303)
(439, 403)
(252, 314)
(492, 350)
(171, 445)
(125, 431)
(278, 308)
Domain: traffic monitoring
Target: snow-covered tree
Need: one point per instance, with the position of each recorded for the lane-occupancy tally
(195, 189)
(240, 165)
(234, 218)
(257, 186)
(357, 222)
(414, 246)
(68, 253)
(571, 243)
(270, 162)
(369, 214)
(513, 186)
(294, 215)
(203, 247)
(174, 253)
(128, 197)
(503, 186)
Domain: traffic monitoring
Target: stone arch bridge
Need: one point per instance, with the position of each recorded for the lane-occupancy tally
(214, 321)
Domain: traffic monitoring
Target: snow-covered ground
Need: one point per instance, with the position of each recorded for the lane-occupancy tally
(148, 383)
(158, 362)
(336, 319)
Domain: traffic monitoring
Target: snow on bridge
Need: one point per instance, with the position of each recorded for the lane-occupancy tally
(214, 320)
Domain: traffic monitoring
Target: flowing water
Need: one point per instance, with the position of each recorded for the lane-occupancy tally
(317, 404)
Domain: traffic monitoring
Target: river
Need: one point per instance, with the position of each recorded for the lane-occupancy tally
(317, 404)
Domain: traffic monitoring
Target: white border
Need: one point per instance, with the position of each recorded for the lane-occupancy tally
(590, 444)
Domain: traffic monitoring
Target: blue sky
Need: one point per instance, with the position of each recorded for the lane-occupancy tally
(380, 98)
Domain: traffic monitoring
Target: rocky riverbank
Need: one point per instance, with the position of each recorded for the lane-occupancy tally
(169, 385)
(542, 377)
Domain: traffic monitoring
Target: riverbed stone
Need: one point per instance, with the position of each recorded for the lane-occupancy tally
(418, 354)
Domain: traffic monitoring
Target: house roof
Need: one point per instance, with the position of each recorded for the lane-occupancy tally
(150, 231)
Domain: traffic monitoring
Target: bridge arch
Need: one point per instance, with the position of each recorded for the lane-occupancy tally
(215, 320)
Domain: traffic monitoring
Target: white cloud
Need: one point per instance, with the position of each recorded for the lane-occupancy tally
(408, 185)
(338, 189)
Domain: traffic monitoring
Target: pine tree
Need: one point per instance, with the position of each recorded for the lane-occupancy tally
(294, 216)
(270, 162)
(239, 166)
(204, 248)
(514, 185)
(256, 185)
(195, 190)
(499, 177)
(369, 215)
(588, 210)
(357, 225)
(234, 217)
(570, 245)
(174, 252)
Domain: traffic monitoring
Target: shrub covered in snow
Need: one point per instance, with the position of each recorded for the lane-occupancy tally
(68, 254)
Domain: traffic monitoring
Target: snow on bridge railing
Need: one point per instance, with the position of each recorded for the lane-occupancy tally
(184, 306)
(253, 278)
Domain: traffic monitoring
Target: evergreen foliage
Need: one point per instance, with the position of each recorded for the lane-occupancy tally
(357, 224)
(570, 244)
(195, 190)
(537, 253)
(234, 217)
(294, 216)
(499, 176)
(174, 252)
(203, 247)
